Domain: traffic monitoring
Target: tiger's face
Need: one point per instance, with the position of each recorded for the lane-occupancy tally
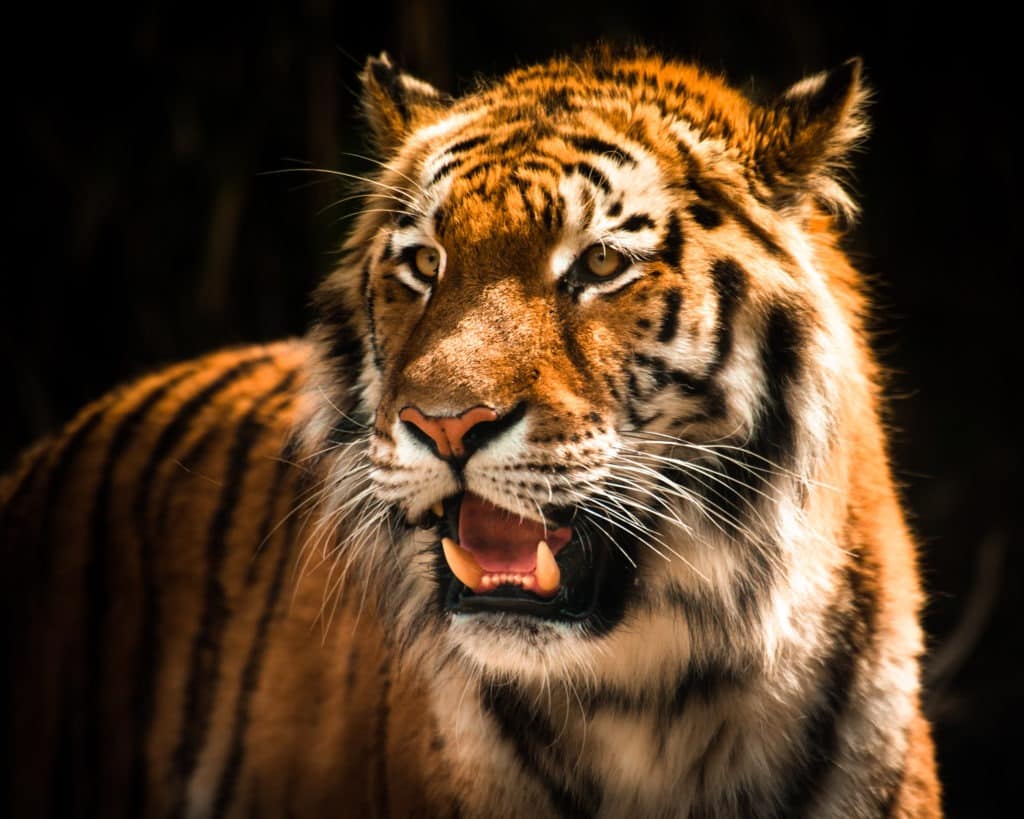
(585, 313)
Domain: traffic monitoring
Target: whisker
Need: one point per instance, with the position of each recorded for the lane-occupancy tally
(387, 167)
(401, 193)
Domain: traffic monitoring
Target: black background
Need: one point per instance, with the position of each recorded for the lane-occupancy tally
(147, 224)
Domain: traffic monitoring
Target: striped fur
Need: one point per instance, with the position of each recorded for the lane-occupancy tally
(225, 588)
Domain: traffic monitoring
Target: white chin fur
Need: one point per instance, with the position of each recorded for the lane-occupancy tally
(517, 646)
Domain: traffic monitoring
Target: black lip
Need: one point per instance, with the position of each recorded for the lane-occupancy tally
(596, 579)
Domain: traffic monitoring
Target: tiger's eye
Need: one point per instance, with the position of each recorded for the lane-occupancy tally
(428, 261)
(603, 261)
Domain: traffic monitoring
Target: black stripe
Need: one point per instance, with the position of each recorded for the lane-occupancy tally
(68, 754)
(443, 171)
(285, 463)
(253, 667)
(599, 146)
(55, 484)
(204, 659)
(818, 747)
(188, 462)
(371, 319)
(662, 375)
(97, 592)
(523, 188)
(785, 338)
(530, 735)
(573, 349)
(730, 282)
(592, 174)
(769, 446)
(716, 623)
(556, 100)
(714, 193)
(699, 683)
(548, 213)
(670, 316)
(466, 145)
(671, 250)
(345, 344)
(541, 164)
(692, 180)
(28, 573)
(149, 643)
(706, 217)
(383, 804)
(516, 140)
(655, 368)
(638, 221)
(481, 168)
(439, 221)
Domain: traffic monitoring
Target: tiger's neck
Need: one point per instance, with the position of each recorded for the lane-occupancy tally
(585, 751)
(807, 730)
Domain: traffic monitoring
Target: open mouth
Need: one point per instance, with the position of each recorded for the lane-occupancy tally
(499, 561)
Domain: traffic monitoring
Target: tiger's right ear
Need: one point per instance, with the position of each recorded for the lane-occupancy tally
(395, 104)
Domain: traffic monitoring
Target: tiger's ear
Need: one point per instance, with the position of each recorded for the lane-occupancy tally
(809, 133)
(396, 103)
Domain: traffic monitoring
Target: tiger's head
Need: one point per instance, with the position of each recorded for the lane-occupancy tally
(584, 358)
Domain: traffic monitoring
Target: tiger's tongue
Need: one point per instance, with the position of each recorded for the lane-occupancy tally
(502, 541)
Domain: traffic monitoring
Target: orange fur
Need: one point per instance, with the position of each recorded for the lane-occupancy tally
(208, 613)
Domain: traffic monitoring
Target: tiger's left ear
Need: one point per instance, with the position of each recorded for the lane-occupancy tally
(395, 103)
(810, 132)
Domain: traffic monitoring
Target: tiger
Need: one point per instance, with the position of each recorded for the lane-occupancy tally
(574, 501)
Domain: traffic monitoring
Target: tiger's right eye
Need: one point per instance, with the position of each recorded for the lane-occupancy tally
(427, 262)
(604, 262)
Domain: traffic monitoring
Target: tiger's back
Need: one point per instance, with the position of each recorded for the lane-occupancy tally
(170, 650)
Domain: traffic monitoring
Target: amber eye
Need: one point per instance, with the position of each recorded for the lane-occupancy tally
(427, 261)
(604, 262)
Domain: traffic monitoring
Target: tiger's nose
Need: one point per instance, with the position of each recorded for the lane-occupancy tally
(448, 434)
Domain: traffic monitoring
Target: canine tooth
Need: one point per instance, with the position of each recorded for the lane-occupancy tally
(437, 509)
(549, 576)
(462, 563)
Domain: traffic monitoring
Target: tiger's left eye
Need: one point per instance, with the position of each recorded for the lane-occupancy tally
(604, 262)
(428, 261)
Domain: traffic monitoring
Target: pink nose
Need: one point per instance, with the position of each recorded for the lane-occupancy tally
(447, 433)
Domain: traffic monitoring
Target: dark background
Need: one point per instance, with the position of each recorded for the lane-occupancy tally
(146, 228)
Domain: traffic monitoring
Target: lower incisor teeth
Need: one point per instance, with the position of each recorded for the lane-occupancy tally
(490, 581)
